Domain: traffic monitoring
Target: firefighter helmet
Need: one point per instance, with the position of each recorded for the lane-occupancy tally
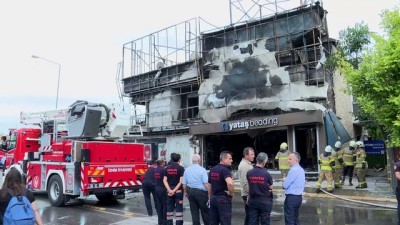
(328, 149)
(283, 146)
(352, 144)
(360, 144)
(338, 144)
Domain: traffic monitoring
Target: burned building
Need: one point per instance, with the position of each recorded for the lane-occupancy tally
(257, 83)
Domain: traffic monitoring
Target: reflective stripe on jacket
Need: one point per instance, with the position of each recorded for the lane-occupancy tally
(326, 162)
(283, 160)
(348, 157)
(337, 157)
(361, 156)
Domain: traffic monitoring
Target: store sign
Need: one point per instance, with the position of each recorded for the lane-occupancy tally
(229, 126)
(376, 147)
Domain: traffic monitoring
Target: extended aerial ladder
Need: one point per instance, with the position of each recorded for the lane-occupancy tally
(52, 122)
(115, 119)
(36, 118)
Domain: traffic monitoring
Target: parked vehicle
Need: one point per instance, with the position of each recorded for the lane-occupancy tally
(78, 152)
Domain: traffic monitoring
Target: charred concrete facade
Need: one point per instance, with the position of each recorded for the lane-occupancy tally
(253, 84)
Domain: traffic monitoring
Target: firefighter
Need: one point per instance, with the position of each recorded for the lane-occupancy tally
(149, 187)
(260, 192)
(349, 157)
(337, 154)
(361, 165)
(282, 157)
(173, 179)
(222, 190)
(161, 192)
(326, 162)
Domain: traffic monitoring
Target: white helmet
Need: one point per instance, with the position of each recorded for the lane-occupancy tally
(352, 144)
(338, 144)
(360, 144)
(328, 149)
(283, 146)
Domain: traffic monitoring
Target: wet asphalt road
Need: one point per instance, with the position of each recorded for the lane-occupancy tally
(132, 211)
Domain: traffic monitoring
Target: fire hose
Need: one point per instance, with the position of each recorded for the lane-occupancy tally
(360, 202)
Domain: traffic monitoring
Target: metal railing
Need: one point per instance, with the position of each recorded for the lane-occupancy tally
(167, 47)
(167, 118)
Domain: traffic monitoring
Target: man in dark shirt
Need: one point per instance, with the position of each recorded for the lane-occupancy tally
(161, 192)
(149, 187)
(260, 192)
(170, 158)
(222, 190)
(173, 183)
(397, 175)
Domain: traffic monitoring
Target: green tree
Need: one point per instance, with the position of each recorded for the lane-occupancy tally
(375, 82)
(353, 42)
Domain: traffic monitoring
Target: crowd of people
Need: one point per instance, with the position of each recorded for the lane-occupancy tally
(210, 194)
(336, 164)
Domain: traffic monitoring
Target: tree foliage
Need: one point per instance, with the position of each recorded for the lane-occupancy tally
(375, 81)
(353, 41)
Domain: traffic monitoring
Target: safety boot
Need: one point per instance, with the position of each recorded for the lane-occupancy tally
(350, 181)
(362, 186)
(330, 191)
(318, 190)
(342, 181)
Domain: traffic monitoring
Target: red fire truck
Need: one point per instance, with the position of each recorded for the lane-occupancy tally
(77, 152)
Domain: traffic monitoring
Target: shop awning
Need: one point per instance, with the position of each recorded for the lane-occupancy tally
(335, 130)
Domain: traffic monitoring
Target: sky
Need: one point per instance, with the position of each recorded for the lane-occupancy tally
(86, 39)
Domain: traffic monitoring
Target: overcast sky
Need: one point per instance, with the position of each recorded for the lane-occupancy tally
(86, 37)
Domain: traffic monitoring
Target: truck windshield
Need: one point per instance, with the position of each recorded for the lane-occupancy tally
(13, 141)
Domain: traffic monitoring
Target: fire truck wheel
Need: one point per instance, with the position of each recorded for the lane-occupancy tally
(55, 191)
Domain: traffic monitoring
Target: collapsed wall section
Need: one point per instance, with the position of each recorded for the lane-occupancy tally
(276, 63)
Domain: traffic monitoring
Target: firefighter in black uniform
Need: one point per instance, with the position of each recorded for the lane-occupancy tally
(173, 183)
(222, 189)
(170, 158)
(260, 192)
(161, 192)
(149, 187)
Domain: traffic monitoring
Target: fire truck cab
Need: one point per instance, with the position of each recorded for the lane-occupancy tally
(77, 152)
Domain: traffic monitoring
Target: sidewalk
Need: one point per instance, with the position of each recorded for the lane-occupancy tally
(378, 189)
